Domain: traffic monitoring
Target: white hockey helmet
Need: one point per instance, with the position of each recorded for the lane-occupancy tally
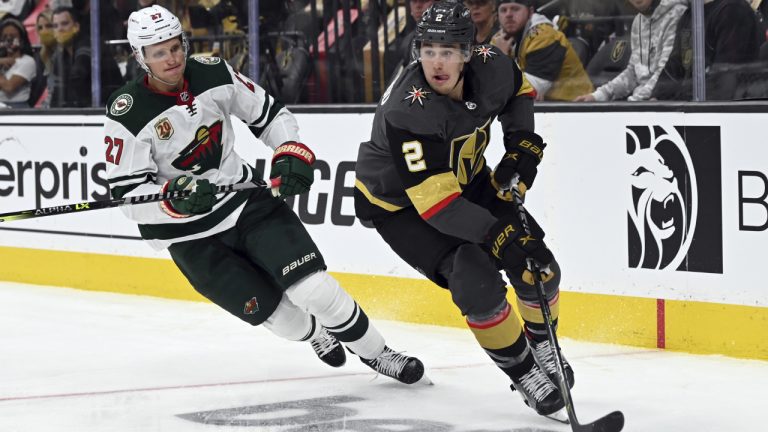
(153, 25)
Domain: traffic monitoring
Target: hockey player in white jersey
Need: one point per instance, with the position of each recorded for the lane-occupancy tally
(245, 251)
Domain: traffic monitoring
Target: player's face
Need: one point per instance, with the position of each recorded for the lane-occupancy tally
(513, 17)
(442, 65)
(166, 60)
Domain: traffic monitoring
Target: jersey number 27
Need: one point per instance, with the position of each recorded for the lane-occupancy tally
(114, 149)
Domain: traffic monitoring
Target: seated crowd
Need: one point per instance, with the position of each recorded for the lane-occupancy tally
(569, 50)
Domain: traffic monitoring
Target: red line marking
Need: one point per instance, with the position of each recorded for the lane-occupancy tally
(276, 380)
(661, 331)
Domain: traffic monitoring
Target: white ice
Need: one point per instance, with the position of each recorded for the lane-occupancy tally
(83, 361)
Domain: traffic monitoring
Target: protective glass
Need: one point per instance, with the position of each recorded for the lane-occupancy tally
(452, 54)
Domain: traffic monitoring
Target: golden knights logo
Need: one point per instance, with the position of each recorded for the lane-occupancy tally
(618, 50)
(204, 152)
(467, 153)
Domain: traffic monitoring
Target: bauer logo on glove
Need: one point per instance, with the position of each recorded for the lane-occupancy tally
(292, 162)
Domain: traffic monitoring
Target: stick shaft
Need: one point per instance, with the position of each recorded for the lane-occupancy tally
(115, 202)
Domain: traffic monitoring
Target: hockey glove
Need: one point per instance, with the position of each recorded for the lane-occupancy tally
(512, 246)
(200, 201)
(292, 162)
(524, 152)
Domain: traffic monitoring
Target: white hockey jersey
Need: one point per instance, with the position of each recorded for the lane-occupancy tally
(152, 137)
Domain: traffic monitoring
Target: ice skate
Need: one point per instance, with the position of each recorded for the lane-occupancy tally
(407, 370)
(538, 392)
(542, 352)
(328, 349)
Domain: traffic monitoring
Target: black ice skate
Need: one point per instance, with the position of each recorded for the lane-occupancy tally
(542, 352)
(328, 349)
(538, 392)
(403, 368)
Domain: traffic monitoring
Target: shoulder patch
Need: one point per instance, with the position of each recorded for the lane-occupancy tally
(486, 52)
(416, 95)
(207, 60)
(121, 105)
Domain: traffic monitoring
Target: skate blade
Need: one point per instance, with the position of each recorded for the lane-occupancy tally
(559, 416)
(425, 380)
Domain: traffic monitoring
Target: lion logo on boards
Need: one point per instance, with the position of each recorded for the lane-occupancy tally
(204, 152)
(206, 60)
(121, 105)
(164, 128)
(251, 306)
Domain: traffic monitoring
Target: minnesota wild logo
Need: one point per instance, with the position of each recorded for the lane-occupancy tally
(204, 152)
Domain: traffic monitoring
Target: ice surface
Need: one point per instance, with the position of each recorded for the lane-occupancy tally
(82, 361)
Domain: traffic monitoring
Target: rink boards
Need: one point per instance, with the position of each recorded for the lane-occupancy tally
(658, 219)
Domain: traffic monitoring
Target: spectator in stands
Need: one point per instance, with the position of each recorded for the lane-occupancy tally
(484, 17)
(69, 84)
(44, 27)
(732, 36)
(19, 9)
(651, 39)
(417, 8)
(543, 53)
(16, 64)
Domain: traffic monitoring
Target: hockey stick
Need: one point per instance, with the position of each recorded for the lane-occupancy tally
(612, 422)
(140, 199)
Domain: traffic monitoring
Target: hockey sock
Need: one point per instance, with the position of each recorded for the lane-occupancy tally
(322, 296)
(503, 340)
(530, 311)
(290, 322)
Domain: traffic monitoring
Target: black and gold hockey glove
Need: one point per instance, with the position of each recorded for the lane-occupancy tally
(524, 152)
(292, 162)
(511, 245)
(200, 201)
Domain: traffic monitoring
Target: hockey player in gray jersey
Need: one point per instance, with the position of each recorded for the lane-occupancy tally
(423, 181)
(245, 251)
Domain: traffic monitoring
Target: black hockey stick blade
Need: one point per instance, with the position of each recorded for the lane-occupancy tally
(613, 422)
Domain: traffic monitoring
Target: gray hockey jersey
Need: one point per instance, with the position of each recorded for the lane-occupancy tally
(151, 137)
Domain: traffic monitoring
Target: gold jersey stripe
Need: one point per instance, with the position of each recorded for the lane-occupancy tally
(381, 203)
(433, 191)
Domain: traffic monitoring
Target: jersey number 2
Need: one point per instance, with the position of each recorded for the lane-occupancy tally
(414, 156)
(114, 149)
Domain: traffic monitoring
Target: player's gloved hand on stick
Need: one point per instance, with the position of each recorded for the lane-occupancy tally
(292, 162)
(511, 245)
(524, 152)
(200, 201)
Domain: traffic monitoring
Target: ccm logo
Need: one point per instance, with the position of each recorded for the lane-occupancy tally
(298, 262)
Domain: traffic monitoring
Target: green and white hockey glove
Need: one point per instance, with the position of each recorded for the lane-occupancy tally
(292, 162)
(200, 201)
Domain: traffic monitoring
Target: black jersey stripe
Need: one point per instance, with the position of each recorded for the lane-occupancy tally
(142, 175)
(170, 231)
(273, 111)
